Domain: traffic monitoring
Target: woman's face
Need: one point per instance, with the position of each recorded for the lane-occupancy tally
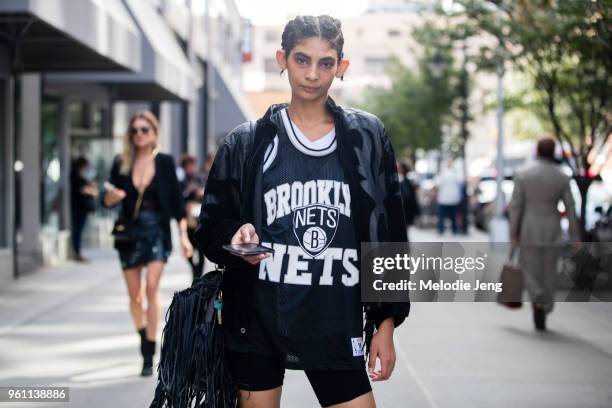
(142, 133)
(311, 67)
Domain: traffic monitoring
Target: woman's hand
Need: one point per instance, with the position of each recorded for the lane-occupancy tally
(186, 246)
(185, 242)
(90, 190)
(246, 235)
(114, 196)
(382, 348)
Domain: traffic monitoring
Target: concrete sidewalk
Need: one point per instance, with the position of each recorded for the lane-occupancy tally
(431, 235)
(70, 327)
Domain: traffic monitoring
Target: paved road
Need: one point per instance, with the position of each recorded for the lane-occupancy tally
(69, 326)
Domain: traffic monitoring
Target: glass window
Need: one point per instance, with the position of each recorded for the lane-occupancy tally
(51, 185)
(376, 65)
(76, 115)
(90, 137)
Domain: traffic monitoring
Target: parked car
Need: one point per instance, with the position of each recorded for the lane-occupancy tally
(598, 207)
(483, 201)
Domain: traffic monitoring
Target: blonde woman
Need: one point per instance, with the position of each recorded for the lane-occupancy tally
(144, 182)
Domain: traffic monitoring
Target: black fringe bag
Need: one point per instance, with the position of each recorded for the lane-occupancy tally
(192, 370)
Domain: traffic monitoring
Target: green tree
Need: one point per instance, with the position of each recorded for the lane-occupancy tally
(419, 101)
(565, 48)
(441, 38)
(425, 102)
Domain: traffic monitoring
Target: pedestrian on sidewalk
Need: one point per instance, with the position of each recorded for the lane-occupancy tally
(449, 196)
(312, 180)
(535, 225)
(192, 187)
(144, 181)
(83, 193)
(412, 208)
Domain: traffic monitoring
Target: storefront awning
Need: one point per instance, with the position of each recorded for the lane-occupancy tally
(166, 74)
(68, 35)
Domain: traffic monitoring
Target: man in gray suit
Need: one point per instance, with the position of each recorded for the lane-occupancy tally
(535, 225)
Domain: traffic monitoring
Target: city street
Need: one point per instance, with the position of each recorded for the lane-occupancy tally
(325, 124)
(69, 326)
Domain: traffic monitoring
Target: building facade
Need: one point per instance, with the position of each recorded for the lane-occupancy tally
(71, 75)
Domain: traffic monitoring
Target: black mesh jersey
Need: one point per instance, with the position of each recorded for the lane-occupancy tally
(308, 293)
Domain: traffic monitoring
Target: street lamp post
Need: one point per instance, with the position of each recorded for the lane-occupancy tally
(464, 135)
(437, 67)
(499, 227)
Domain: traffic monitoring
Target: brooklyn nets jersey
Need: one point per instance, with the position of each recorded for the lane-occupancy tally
(308, 294)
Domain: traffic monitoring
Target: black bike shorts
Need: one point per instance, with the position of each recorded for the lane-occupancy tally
(253, 372)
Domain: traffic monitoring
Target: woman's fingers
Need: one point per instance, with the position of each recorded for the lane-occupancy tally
(248, 234)
(372, 361)
(387, 364)
(187, 250)
(386, 356)
(245, 235)
(255, 259)
(118, 195)
(385, 368)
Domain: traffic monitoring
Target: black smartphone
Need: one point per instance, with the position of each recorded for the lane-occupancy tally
(247, 249)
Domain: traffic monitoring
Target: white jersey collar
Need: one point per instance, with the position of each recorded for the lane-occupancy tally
(320, 147)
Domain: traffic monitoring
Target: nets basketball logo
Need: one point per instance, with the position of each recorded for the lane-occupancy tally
(315, 226)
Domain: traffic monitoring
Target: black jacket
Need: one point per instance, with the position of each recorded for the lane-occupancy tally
(233, 197)
(80, 204)
(169, 193)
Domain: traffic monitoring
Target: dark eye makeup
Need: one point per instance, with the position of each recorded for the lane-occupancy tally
(325, 63)
(301, 59)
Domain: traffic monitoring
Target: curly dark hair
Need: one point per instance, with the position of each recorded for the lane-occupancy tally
(303, 27)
